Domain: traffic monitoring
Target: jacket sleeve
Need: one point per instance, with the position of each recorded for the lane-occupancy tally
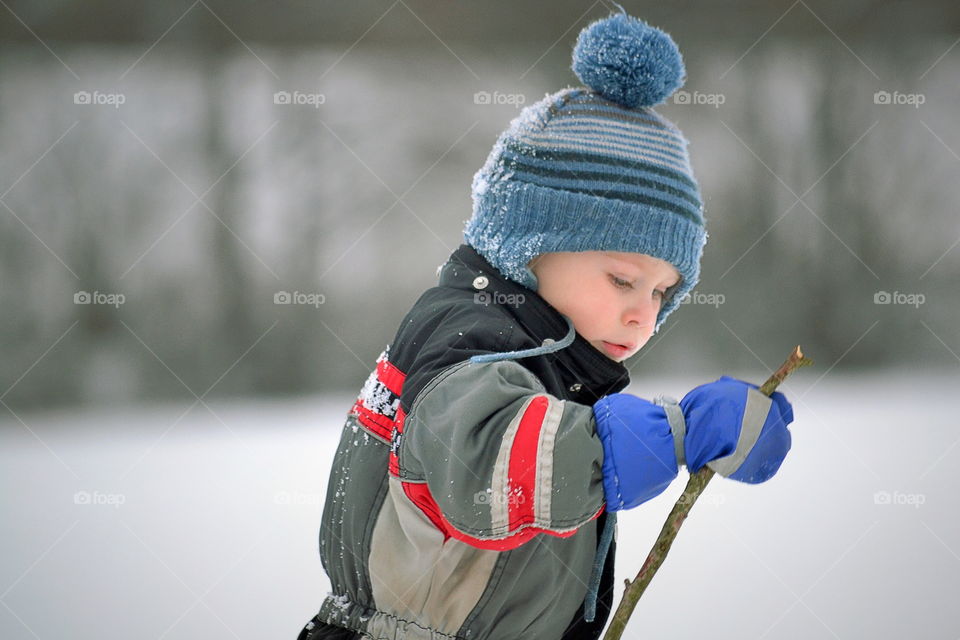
(493, 460)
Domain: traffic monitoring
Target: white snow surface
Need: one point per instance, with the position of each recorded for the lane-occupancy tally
(189, 523)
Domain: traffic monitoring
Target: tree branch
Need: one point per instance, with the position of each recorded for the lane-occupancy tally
(695, 486)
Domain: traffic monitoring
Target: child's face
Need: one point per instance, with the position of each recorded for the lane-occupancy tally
(612, 298)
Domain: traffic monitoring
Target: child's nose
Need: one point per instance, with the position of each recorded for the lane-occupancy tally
(641, 312)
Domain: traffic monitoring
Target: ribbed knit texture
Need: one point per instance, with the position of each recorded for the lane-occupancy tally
(596, 168)
(576, 172)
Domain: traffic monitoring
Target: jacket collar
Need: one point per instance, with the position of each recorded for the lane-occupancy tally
(579, 363)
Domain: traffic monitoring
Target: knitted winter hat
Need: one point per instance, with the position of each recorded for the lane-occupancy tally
(595, 169)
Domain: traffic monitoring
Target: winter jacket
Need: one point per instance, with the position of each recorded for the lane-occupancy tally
(465, 499)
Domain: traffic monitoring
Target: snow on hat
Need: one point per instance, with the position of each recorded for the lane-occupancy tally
(596, 168)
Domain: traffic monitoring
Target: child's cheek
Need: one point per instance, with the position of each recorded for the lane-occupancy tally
(600, 309)
(605, 300)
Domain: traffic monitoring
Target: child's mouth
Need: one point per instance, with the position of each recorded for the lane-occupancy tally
(615, 350)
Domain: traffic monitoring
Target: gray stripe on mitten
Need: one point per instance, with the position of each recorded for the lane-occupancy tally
(754, 415)
(678, 426)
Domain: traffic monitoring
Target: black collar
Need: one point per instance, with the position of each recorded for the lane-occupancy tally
(580, 363)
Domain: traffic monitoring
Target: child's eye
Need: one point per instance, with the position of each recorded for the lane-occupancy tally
(667, 295)
(618, 282)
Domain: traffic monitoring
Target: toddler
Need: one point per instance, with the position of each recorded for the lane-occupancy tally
(473, 492)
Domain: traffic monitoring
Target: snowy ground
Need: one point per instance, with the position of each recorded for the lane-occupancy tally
(184, 523)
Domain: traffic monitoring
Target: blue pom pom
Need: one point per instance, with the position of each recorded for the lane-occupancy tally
(628, 61)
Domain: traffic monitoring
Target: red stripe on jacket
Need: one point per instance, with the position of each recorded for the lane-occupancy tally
(393, 460)
(419, 494)
(378, 423)
(521, 483)
(522, 469)
(391, 377)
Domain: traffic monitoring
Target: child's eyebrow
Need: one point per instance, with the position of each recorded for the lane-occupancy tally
(634, 268)
(620, 261)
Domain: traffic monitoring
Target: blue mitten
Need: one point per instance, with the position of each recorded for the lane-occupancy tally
(639, 458)
(735, 430)
(727, 425)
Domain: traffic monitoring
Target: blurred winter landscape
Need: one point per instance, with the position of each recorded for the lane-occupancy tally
(214, 216)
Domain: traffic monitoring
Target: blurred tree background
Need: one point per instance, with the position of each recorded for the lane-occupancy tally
(170, 171)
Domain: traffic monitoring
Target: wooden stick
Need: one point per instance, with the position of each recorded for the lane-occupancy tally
(695, 486)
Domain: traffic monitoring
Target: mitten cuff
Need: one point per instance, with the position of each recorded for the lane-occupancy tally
(678, 425)
(638, 447)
